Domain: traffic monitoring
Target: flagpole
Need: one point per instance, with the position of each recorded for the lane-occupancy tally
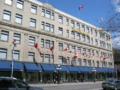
(79, 14)
(12, 62)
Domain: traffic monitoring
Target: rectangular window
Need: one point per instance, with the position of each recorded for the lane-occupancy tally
(67, 33)
(79, 61)
(32, 22)
(52, 16)
(79, 49)
(84, 62)
(52, 43)
(89, 52)
(48, 13)
(93, 63)
(31, 56)
(33, 9)
(47, 27)
(32, 41)
(88, 39)
(72, 23)
(67, 22)
(3, 53)
(68, 61)
(52, 28)
(52, 59)
(60, 46)
(91, 40)
(60, 19)
(42, 42)
(73, 61)
(68, 47)
(72, 34)
(83, 28)
(78, 26)
(97, 63)
(47, 58)
(103, 64)
(78, 36)
(97, 54)
(87, 29)
(4, 35)
(15, 55)
(18, 18)
(92, 51)
(60, 59)
(42, 58)
(9, 2)
(60, 31)
(89, 62)
(96, 42)
(91, 31)
(83, 38)
(17, 37)
(84, 50)
(47, 44)
(42, 25)
(95, 33)
(73, 49)
(6, 15)
(20, 4)
(43, 12)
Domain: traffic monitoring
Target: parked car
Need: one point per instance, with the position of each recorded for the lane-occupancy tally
(8, 83)
(111, 84)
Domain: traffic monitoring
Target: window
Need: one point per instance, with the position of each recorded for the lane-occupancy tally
(42, 25)
(79, 49)
(79, 61)
(42, 58)
(52, 28)
(78, 26)
(47, 27)
(101, 54)
(67, 33)
(83, 38)
(73, 49)
(84, 50)
(110, 46)
(91, 31)
(84, 62)
(73, 61)
(6, 15)
(32, 22)
(52, 16)
(20, 4)
(52, 43)
(93, 63)
(3, 53)
(72, 23)
(47, 44)
(96, 42)
(67, 22)
(89, 62)
(20, 84)
(6, 83)
(4, 35)
(60, 31)
(32, 41)
(92, 51)
(72, 34)
(87, 29)
(18, 18)
(60, 59)
(97, 54)
(97, 63)
(47, 58)
(68, 61)
(43, 12)
(52, 59)
(95, 33)
(60, 19)
(31, 56)
(42, 42)
(9, 2)
(89, 52)
(48, 13)
(68, 47)
(83, 28)
(91, 40)
(15, 56)
(103, 64)
(60, 46)
(78, 36)
(33, 9)
(88, 39)
(17, 37)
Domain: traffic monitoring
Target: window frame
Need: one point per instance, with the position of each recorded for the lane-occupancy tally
(34, 8)
(6, 14)
(20, 2)
(3, 51)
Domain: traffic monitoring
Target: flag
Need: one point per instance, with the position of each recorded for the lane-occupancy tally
(69, 51)
(100, 19)
(66, 49)
(86, 55)
(89, 57)
(80, 7)
(83, 53)
(36, 46)
(76, 54)
(92, 55)
(51, 49)
(101, 57)
(105, 58)
(14, 42)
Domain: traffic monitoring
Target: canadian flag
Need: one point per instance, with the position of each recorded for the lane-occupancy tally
(76, 54)
(89, 56)
(51, 49)
(36, 46)
(80, 7)
(13, 42)
(92, 55)
(67, 50)
(101, 57)
(83, 53)
(86, 55)
(105, 58)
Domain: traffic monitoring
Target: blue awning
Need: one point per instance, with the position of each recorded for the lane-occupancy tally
(100, 70)
(84, 69)
(106, 70)
(90, 68)
(64, 69)
(48, 68)
(6, 66)
(112, 70)
(73, 69)
(32, 67)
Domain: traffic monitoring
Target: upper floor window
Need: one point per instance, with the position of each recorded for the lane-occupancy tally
(73, 61)
(15, 55)
(6, 15)
(84, 50)
(68, 47)
(97, 54)
(60, 19)
(88, 39)
(32, 41)
(32, 22)
(52, 43)
(52, 16)
(9, 2)
(52, 28)
(47, 58)
(42, 25)
(47, 43)
(3, 53)
(20, 4)
(92, 51)
(103, 64)
(89, 62)
(67, 33)
(31, 56)
(60, 59)
(68, 61)
(41, 58)
(43, 12)
(67, 21)
(78, 26)
(42, 42)
(79, 61)
(96, 42)
(83, 38)
(83, 28)
(87, 29)
(95, 33)
(72, 34)
(91, 40)
(18, 18)
(4, 35)
(79, 49)
(91, 31)
(72, 23)
(47, 27)
(97, 63)
(60, 46)
(52, 59)
(84, 62)
(78, 36)
(33, 9)
(48, 13)
(89, 52)
(17, 37)
(93, 63)
(73, 49)
(60, 31)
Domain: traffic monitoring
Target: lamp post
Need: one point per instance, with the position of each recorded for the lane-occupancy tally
(94, 70)
(58, 68)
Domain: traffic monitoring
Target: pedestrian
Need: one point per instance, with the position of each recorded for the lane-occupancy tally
(84, 78)
(61, 79)
(54, 80)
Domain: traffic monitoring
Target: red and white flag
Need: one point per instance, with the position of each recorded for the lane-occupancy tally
(101, 57)
(67, 50)
(89, 56)
(92, 55)
(86, 55)
(14, 42)
(80, 7)
(105, 58)
(36, 46)
(76, 54)
(51, 49)
(83, 53)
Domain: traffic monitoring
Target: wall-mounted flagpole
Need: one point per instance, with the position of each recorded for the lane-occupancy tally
(79, 10)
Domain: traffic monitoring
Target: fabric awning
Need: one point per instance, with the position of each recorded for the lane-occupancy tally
(84, 69)
(100, 70)
(106, 70)
(112, 70)
(64, 69)
(73, 69)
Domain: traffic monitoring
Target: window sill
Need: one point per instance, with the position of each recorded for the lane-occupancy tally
(7, 4)
(19, 8)
(33, 13)
(3, 41)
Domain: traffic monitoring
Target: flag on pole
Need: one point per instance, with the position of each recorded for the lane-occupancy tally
(80, 7)
(92, 55)
(69, 51)
(86, 55)
(83, 53)
(36, 46)
(101, 57)
(105, 58)
(76, 54)
(51, 49)
(14, 42)
(65, 49)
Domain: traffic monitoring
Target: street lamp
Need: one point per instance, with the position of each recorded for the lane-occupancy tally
(58, 68)
(94, 70)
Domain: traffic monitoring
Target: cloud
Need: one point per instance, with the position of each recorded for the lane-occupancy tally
(116, 3)
(116, 43)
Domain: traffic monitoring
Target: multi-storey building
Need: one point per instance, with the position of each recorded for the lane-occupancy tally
(31, 22)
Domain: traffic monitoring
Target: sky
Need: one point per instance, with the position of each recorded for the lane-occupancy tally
(91, 12)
